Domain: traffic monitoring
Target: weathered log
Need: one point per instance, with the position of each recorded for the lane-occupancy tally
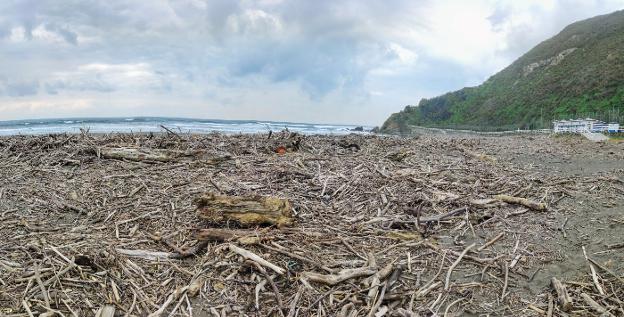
(522, 201)
(562, 294)
(157, 155)
(333, 279)
(246, 210)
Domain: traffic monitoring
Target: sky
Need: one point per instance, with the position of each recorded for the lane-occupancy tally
(322, 61)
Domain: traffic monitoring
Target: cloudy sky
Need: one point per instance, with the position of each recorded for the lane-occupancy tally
(332, 61)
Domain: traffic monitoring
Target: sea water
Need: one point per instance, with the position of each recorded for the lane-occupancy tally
(154, 124)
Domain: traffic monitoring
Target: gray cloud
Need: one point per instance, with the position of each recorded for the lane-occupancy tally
(373, 55)
(21, 89)
(67, 35)
(316, 44)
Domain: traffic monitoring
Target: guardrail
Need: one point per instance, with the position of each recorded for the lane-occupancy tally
(440, 130)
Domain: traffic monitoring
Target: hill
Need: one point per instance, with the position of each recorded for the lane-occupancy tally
(577, 73)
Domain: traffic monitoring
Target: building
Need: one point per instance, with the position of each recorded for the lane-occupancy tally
(614, 128)
(584, 125)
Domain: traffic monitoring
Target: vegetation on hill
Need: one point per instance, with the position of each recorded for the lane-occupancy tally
(577, 73)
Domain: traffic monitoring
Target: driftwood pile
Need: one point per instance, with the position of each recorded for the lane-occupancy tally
(285, 225)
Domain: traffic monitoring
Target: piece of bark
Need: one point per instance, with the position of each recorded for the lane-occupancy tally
(157, 155)
(522, 201)
(562, 294)
(246, 210)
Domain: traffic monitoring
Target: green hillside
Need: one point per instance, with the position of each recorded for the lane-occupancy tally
(577, 73)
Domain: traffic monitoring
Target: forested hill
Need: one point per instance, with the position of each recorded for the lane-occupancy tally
(577, 73)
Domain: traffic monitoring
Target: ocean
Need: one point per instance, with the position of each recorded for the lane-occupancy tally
(153, 124)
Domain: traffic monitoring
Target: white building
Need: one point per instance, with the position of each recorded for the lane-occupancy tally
(584, 125)
(614, 127)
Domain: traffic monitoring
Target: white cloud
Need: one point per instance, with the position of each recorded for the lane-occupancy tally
(254, 22)
(108, 78)
(404, 55)
(18, 34)
(295, 60)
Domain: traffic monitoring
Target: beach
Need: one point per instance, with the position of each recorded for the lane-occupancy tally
(115, 224)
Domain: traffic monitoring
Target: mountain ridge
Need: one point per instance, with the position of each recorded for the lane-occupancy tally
(578, 72)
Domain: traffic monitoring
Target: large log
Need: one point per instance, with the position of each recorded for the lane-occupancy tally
(157, 155)
(245, 210)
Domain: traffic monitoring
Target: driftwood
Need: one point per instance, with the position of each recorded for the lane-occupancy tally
(348, 205)
(452, 267)
(562, 294)
(489, 243)
(106, 311)
(157, 155)
(195, 287)
(246, 210)
(256, 258)
(594, 305)
(479, 156)
(226, 235)
(145, 254)
(173, 296)
(522, 201)
(333, 279)
(444, 216)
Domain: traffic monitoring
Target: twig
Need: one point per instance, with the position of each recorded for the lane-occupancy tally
(295, 301)
(606, 270)
(172, 132)
(593, 304)
(504, 293)
(173, 296)
(489, 243)
(299, 257)
(256, 258)
(593, 274)
(452, 267)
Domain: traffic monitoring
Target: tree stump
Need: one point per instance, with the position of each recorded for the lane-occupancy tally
(248, 211)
